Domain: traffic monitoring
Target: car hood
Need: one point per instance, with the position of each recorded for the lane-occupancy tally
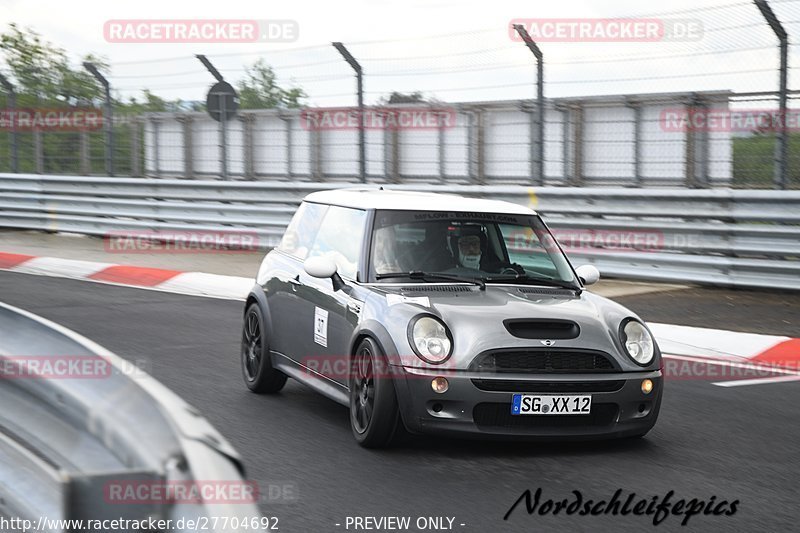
(476, 318)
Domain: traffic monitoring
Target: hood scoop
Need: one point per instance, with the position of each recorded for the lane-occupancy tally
(531, 328)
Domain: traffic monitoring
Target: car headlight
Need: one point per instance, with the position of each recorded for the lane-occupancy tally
(430, 339)
(638, 342)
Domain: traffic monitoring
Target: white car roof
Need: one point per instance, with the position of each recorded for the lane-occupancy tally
(414, 201)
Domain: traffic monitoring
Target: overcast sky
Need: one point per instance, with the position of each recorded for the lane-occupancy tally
(479, 62)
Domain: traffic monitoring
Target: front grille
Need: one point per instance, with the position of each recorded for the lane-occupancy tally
(543, 361)
(493, 416)
(508, 385)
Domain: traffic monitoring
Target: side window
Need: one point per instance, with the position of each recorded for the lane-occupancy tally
(340, 238)
(299, 235)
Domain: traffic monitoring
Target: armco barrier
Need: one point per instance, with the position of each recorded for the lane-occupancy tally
(748, 238)
(68, 440)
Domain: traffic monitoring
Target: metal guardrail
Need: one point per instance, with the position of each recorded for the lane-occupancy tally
(748, 238)
(64, 439)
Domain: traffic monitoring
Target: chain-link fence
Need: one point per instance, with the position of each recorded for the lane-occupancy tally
(694, 104)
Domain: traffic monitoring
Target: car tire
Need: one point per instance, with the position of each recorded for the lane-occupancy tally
(257, 370)
(374, 413)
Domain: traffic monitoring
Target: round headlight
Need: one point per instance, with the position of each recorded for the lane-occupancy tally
(638, 342)
(430, 340)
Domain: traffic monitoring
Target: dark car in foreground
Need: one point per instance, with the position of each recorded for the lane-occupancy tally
(442, 314)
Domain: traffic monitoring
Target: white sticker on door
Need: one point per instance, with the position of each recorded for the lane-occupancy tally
(321, 326)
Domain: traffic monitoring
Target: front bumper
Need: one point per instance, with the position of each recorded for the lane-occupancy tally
(479, 404)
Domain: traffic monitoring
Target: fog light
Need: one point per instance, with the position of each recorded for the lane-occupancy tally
(647, 386)
(440, 385)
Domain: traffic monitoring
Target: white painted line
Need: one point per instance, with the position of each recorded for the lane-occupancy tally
(67, 268)
(214, 285)
(222, 295)
(705, 342)
(760, 381)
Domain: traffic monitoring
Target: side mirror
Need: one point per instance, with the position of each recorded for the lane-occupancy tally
(319, 267)
(588, 273)
(324, 267)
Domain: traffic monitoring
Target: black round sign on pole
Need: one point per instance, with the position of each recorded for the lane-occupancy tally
(222, 101)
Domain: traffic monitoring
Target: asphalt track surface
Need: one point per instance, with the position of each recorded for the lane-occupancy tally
(736, 443)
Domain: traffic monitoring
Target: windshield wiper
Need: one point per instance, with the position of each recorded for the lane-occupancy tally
(533, 279)
(418, 274)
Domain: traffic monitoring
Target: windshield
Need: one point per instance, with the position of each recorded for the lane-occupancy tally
(481, 246)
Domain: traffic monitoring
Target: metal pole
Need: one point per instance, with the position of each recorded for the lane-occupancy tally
(12, 106)
(206, 63)
(136, 162)
(781, 176)
(108, 119)
(223, 139)
(362, 152)
(636, 108)
(223, 130)
(540, 118)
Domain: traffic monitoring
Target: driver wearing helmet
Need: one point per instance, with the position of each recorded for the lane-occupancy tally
(470, 247)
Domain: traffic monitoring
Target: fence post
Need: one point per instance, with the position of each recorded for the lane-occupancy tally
(781, 170)
(85, 163)
(38, 151)
(186, 122)
(108, 119)
(391, 140)
(697, 150)
(636, 107)
(316, 157)
(702, 152)
(442, 152)
(537, 154)
(287, 121)
(248, 147)
(476, 146)
(362, 148)
(576, 180)
(691, 146)
(156, 147)
(136, 147)
(12, 104)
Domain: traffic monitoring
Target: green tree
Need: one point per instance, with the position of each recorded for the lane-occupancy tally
(260, 90)
(42, 72)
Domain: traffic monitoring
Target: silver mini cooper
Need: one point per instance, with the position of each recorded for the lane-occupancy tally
(434, 313)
